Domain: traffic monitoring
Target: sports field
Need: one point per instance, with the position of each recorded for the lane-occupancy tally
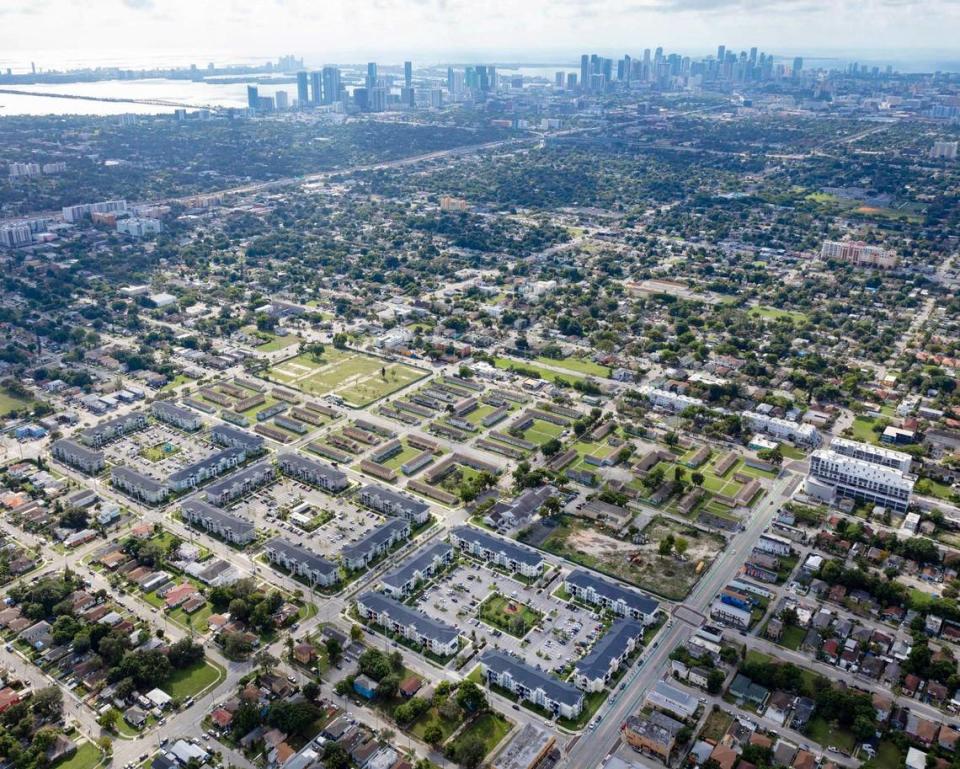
(357, 378)
(541, 431)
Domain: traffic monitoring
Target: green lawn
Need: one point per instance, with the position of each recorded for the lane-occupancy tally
(863, 430)
(827, 734)
(159, 452)
(190, 681)
(888, 756)
(541, 432)
(501, 612)
(579, 365)
(428, 719)
(9, 404)
(278, 342)
(87, 756)
(773, 313)
(490, 727)
(792, 637)
(791, 452)
(591, 704)
(509, 364)
(716, 725)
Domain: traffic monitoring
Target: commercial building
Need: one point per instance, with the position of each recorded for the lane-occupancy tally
(858, 253)
(667, 697)
(730, 615)
(526, 750)
(438, 637)
(878, 455)
(138, 226)
(225, 525)
(833, 474)
(500, 552)
(77, 455)
(943, 150)
(375, 543)
(76, 213)
(594, 670)
(590, 588)
(427, 562)
(530, 684)
(301, 562)
(655, 735)
(240, 483)
(175, 415)
(390, 502)
(783, 429)
(313, 472)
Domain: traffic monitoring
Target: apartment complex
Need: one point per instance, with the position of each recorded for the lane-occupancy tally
(390, 502)
(313, 472)
(858, 253)
(427, 562)
(232, 528)
(783, 429)
(301, 562)
(878, 455)
(438, 637)
(500, 552)
(594, 670)
(375, 543)
(175, 415)
(590, 588)
(241, 482)
(77, 455)
(530, 684)
(669, 401)
(833, 474)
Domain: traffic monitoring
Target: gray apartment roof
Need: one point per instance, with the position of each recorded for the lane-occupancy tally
(496, 544)
(612, 645)
(305, 464)
(530, 677)
(394, 497)
(403, 573)
(529, 502)
(240, 476)
(73, 447)
(173, 411)
(638, 602)
(296, 553)
(375, 537)
(133, 478)
(205, 463)
(407, 616)
(110, 424)
(226, 520)
(242, 437)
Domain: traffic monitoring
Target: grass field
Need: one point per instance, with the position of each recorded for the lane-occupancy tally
(191, 681)
(490, 727)
(863, 430)
(545, 374)
(87, 756)
(716, 725)
(9, 404)
(773, 313)
(430, 718)
(828, 734)
(408, 453)
(888, 756)
(501, 612)
(578, 365)
(541, 432)
(358, 378)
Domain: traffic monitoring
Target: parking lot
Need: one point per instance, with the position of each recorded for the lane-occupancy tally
(562, 635)
(157, 451)
(339, 521)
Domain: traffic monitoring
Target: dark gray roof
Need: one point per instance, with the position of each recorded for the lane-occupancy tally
(305, 464)
(296, 553)
(205, 463)
(395, 497)
(69, 446)
(133, 478)
(375, 537)
(530, 677)
(235, 435)
(240, 476)
(528, 503)
(408, 616)
(614, 592)
(497, 544)
(612, 645)
(173, 411)
(226, 520)
(403, 573)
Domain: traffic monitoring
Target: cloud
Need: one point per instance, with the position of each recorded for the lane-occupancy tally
(139, 5)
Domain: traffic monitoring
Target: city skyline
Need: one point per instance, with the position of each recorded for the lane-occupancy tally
(453, 31)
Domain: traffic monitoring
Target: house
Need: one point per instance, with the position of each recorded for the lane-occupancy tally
(778, 707)
(304, 653)
(803, 709)
(745, 690)
(364, 686)
(135, 716)
(8, 698)
(531, 684)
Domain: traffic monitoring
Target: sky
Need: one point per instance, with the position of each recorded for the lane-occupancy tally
(59, 32)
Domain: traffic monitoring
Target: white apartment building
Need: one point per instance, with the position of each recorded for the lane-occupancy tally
(877, 455)
(669, 401)
(784, 429)
(832, 474)
(858, 253)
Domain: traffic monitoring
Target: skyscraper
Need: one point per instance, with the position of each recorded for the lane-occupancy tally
(302, 94)
(408, 74)
(797, 66)
(253, 98)
(371, 75)
(585, 71)
(280, 97)
(315, 87)
(331, 85)
(558, 80)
